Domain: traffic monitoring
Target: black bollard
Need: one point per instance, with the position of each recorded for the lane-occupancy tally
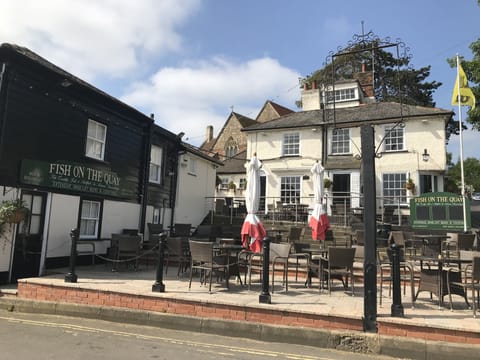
(159, 286)
(265, 297)
(71, 276)
(397, 307)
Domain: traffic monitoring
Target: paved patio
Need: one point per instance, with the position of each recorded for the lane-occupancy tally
(306, 307)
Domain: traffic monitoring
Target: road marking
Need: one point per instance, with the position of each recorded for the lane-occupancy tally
(204, 345)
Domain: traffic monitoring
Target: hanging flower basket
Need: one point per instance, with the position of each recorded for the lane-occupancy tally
(16, 217)
(13, 211)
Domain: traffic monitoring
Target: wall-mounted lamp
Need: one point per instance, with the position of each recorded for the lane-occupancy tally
(425, 155)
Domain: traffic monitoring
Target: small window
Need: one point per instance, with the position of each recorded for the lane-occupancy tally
(341, 141)
(224, 184)
(340, 95)
(290, 189)
(89, 219)
(394, 139)
(231, 148)
(242, 184)
(155, 164)
(291, 144)
(394, 188)
(156, 216)
(96, 136)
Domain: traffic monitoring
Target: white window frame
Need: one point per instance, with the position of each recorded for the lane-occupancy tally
(291, 144)
(95, 145)
(341, 95)
(88, 217)
(242, 183)
(340, 143)
(290, 189)
(394, 138)
(393, 188)
(156, 158)
(224, 184)
(156, 216)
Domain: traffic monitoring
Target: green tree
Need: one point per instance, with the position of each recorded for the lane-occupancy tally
(394, 79)
(471, 171)
(472, 71)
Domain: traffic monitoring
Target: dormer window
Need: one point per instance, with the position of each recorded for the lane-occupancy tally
(341, 95)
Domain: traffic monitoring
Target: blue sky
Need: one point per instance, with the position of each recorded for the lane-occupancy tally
(190, 61)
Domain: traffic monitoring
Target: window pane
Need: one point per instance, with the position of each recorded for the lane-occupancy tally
(34, 224)
(290, 189)
(394, 188)
(96, 135)
(291, 144)
(393, 139)
(90, 217)
(341, 141)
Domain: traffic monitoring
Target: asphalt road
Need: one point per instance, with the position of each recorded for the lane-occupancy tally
(35, 336)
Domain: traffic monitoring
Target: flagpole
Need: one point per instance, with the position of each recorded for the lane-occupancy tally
(461, 147)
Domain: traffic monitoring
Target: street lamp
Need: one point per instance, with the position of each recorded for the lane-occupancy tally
(425, 155)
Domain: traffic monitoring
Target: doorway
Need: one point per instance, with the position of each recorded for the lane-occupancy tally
(27, 250)
(341, 189)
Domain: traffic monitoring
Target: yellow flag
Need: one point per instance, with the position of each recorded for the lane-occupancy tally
(466, 94)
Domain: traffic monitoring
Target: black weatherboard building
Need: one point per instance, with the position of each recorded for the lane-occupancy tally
(79, 158)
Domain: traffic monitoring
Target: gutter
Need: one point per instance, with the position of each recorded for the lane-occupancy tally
(3, 105)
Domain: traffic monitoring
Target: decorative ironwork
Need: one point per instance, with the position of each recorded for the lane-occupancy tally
(358, 54)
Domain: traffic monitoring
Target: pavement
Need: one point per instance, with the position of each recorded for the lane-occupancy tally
(301, 315)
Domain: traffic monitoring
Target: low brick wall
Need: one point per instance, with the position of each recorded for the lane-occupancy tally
(40, 292)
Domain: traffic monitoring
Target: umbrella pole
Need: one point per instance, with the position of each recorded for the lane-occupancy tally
(265, 297)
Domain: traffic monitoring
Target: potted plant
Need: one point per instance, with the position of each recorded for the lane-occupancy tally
(232, 186)
(12, 212)
(327, 183)
(410, 185)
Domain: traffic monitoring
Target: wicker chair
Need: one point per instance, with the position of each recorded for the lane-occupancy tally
(202, 258)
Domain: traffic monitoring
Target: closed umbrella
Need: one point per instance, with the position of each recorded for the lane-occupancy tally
(319, 220)
(253, 232)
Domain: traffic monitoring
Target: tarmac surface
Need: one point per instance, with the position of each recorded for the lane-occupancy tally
(301, 315)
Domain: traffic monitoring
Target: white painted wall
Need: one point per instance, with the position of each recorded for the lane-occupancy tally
(195, 190)
(420, 134)
(63, 218)
(119, 215)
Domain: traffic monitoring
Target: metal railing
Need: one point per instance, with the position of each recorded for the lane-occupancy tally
(342, 209)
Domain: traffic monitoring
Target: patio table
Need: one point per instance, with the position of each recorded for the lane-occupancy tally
(226, 250)
(437, 281)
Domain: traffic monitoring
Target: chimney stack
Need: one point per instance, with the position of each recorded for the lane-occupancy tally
(209, 134)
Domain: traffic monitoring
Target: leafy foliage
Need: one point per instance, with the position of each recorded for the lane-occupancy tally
(471, 170)
(394, 79)
(472, 71)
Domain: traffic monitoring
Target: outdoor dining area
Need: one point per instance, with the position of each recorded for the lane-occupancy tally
(439, 268)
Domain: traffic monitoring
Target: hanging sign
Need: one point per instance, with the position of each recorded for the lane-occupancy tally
(75, 177)
(439, 211)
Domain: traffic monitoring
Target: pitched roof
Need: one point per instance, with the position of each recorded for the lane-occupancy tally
(278, 110)
(194, 150)
(68, 78)
(243, 120)
(234, 165)
(352, 116)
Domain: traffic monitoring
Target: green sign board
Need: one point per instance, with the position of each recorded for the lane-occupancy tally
(75, 177)
(439, 211)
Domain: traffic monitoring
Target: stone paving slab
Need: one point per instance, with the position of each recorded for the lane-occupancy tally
(426, 313)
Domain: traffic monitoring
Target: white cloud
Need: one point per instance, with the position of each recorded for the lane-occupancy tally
(91, 37)
(191, 97)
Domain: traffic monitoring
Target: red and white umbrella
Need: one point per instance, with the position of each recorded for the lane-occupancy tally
(319, 220)
(253, 232)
